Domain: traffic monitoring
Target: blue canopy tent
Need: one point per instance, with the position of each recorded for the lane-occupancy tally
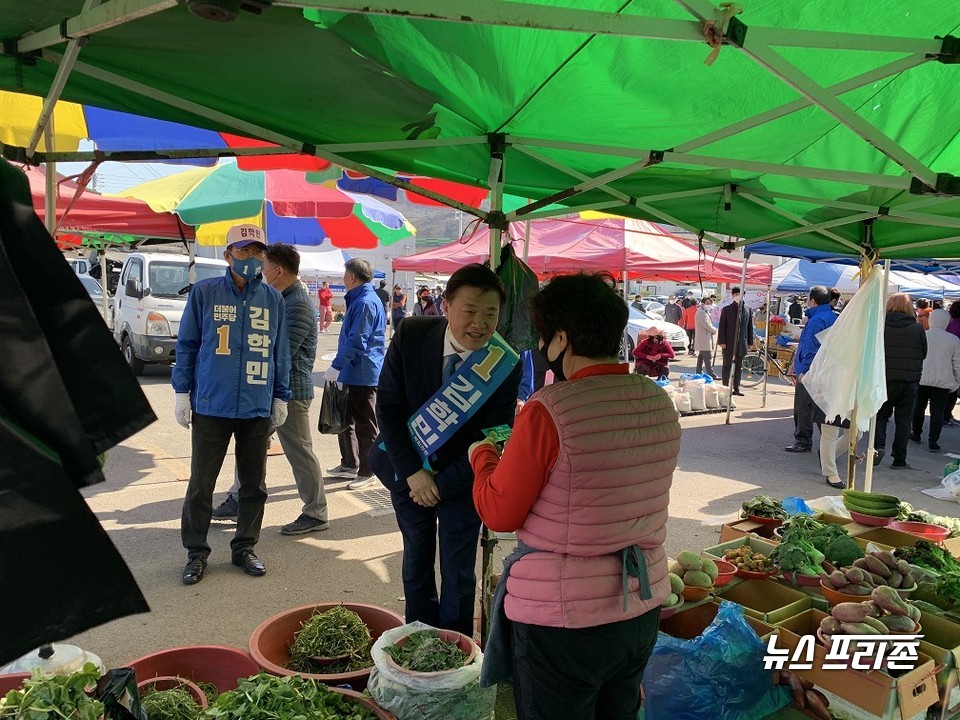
(798, 276)
(937, 267)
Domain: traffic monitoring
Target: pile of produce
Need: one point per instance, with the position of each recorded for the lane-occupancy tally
(832, 540)
(929, 555)
(426, 651)
(173, 704)
(54, 696)
(875, 504)
(337, 633)
(267, 697)
(950, 523)
(764, 507)
(943, 591)
(690, 570)
(796, 553)
(885, 612)
(210, 690)
(876, 570)
(806, 696)
(744, 558)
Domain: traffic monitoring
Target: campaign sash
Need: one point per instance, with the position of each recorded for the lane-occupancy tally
(459, 398)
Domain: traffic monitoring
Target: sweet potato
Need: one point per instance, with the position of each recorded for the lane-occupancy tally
(877, 580)
(876, 624)
(888, 599)
(873, 610)
(877, 566)
(861, 563)
(850, 612)
(898, 623)
(895, 579)
(818, 704)
(860, 628)
(796, 689)
(830, 625)
(887, 558)
(861, 589)
(903, 567)
(854, 575)
(913, 612)
(838, 579)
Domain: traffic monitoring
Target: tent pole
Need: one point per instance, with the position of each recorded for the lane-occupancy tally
(495, 182)
(868, 472)
(736, 335)
(526, 240)
(763, 402)
(104, 284)
(50, 183)
(626, 328)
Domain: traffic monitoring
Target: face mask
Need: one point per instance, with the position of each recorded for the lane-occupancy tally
(658, 338)
(248, 268)
(555, 365)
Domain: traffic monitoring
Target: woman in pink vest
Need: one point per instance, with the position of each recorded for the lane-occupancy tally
(585, 484)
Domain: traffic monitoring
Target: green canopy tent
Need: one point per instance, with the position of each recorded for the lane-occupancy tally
(821, 125)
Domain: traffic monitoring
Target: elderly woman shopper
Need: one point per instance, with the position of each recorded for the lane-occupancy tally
(940, 378)
(703, 336)
(905, 347)
(584, 482)
(653, 353)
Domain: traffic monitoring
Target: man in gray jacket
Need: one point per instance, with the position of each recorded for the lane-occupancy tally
(941, 376)
(281, 268)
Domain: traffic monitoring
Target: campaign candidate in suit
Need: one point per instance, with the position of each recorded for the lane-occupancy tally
(437, 504)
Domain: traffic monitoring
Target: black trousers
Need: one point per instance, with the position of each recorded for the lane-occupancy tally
(937, 397)
(210, 438)
(736, 363)
(803, 410)
(361, 430)
(690, 336)
(901, 398)
(454, 521)
(951, 404)
(582, 673)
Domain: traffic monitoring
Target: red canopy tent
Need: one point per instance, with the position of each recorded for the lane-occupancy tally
(557, 246)
(97, 214)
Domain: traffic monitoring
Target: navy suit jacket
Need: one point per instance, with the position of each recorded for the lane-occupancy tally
(412, 373)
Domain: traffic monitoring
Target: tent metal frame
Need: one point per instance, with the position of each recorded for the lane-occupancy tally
(758, 44)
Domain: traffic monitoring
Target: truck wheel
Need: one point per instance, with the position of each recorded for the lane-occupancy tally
(135, 363)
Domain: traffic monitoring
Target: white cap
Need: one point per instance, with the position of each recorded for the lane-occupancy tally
(243, 235)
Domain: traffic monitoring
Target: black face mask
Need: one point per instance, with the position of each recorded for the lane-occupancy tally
(658, 338)
(555, 365)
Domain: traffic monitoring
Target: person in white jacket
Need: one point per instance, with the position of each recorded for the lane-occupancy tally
(704, 332)
(941, 376)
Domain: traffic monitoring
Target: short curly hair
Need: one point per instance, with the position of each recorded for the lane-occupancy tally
(584, 306)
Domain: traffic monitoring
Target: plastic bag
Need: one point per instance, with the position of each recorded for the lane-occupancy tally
(515, 325)
(681, 401)
(796, 506)
(697, 398)
(333, 409)
(716, 676)
(413, 696)
(711, 396)
(952, 483)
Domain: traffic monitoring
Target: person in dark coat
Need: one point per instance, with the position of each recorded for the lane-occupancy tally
(734, 348)
(905, 347)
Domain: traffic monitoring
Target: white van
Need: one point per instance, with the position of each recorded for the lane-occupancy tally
(150, 299)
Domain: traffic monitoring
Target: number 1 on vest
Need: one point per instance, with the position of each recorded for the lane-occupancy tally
(223, 332)
(485, 367)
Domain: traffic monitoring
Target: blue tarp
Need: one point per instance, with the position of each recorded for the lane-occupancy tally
(798, 276)
(818, 256)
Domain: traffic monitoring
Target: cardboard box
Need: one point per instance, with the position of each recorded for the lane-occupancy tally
(832, 519)
(862, 695)
(885, 538)
(767, 600)
(690, 623)
(813, 592)
(756, 544)
(742, 528)
(952, 546)
(941, 641)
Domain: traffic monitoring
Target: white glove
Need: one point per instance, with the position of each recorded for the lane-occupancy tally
(279, 415)
(181, 410)
(331, 375)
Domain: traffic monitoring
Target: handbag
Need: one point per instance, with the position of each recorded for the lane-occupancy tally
(333, 409)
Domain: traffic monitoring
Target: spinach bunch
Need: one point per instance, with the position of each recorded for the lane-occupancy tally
(426, 651)
(765, 507)
(266, 697)
(927, 554)
(54, 696)
(173, 704)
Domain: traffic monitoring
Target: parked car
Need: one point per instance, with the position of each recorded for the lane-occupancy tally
(80, 266)
(150, 299)
(639, 320)
(96, 294)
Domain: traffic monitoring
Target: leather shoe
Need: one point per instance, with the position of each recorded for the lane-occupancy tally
(193, 571)
(250, 564)
(737, 392)
(797, 448)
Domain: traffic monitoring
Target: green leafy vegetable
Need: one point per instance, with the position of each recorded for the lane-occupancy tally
(823, 536)
(173, 704)
(336, 633)
(210, 690)
(54, 697)
(907, 512)
(266, 697)
(796, 554)
(765, 507)
(426, 651)
(928, 555)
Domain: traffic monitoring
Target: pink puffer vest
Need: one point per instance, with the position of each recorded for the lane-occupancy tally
(609, 489)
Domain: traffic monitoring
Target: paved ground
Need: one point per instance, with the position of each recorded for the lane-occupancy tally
(358, 558)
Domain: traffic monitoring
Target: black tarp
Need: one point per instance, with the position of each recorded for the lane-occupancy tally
(66, 396)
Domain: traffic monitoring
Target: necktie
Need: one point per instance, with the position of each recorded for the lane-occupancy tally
(450, 363)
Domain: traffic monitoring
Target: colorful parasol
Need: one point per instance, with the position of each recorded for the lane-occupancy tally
(110, 130)
(288, 207)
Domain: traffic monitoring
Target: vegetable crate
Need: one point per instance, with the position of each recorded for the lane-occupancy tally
(756, 544)
(857, 694)
(941, 641)
(690, 623)
(766, 600)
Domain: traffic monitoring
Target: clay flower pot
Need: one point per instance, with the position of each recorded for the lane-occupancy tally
(270, 641)
(215, 664)
(366, 702)
(168, 682)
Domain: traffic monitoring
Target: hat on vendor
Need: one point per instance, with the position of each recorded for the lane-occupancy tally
(243, 235)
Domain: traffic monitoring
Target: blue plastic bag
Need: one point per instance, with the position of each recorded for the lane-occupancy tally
(686, 377)
(718, 675)
(662, 382)
(796, 506)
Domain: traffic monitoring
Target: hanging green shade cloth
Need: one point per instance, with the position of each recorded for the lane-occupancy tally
(820, 124)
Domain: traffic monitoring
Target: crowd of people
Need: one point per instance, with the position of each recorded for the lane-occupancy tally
(416, 420)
